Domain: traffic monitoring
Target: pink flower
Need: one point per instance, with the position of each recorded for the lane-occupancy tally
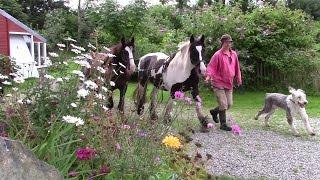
(4, 134)
(143, 134)
(188, 100)
(125, 126)
(85, 153)
(104, 169)
(198, 104)
(236, 129)
(179, 95)
(199, 98)
(210, 125)
(72, 173)
(118, 147)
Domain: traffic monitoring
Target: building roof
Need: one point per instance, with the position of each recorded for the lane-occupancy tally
(16, 21)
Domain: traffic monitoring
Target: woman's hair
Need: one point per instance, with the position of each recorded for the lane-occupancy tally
(224, 38)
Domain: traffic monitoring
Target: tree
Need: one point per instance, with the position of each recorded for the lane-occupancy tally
(311, 7)
(36, 10)
(200, 3)
(163, 2)
(181, 4)
(15, 9)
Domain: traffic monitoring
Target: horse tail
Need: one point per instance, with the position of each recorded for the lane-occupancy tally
(134, 94)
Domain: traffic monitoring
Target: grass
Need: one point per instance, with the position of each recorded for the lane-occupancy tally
(246, 105)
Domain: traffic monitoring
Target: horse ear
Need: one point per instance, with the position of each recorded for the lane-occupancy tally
(191, 38)
(132, 40)
(202, 38)
(123, 41)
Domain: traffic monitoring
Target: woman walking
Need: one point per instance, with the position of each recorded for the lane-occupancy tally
(222, 70)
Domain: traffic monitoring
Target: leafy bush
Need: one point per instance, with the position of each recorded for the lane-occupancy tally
(64, 120)
(278, 39)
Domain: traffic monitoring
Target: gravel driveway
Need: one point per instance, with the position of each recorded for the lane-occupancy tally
(260, 154)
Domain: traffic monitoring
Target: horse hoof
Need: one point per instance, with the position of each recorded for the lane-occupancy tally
(313, 134)
(154, 117)
(297, 135)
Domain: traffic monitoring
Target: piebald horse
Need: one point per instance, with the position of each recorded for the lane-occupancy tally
(180, 72)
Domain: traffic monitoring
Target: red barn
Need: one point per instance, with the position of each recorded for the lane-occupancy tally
(25, 46)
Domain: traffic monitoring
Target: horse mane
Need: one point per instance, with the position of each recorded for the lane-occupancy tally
(183, 46)
(116, 48)
(182, 52)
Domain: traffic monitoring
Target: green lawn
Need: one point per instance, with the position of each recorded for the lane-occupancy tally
(246, 105)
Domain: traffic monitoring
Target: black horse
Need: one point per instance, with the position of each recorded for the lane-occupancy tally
(120, 69)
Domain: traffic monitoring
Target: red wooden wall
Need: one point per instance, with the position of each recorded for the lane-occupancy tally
(4, 37)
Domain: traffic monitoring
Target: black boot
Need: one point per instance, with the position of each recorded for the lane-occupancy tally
(214, 113)
(223, 124)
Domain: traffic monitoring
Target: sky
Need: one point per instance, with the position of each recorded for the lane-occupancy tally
(74, 3)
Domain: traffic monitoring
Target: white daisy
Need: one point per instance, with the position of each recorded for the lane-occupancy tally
(6, 83)
(18, 80)
(53, 54)
(76, 51)
(79, 73)
(73, 105)
(59, 80)
(73, 120)
(61, 45)
(15, 89)
(91, 85)
(104, 89)
(101, 69)
(82, 93)
(48, 76)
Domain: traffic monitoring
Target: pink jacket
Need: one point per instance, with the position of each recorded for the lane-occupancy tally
(222, 72)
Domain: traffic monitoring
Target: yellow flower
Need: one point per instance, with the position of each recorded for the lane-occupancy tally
(172, 142)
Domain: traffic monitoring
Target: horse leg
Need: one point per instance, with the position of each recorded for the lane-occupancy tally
(167, 115)
(110, 100)
(153, 104)
(121, 100)
(141, 97)
(195, 94)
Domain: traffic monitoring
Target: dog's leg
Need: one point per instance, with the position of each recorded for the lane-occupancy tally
(266, 108)
(306, 122)
(256, 117)
(266, 120)
(290, 121)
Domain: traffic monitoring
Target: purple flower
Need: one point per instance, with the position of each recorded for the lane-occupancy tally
(179, 95)
(118, 147)
(199, 98)
(72, 173)
(85, 153)
(236, 129)
(104, 169)
(210, 125)
(96, 118)
(198, 104)
(188, 100)
(142, 134)
(125, 126)
(158, 159)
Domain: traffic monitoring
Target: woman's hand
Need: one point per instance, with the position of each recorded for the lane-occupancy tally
(207, 80)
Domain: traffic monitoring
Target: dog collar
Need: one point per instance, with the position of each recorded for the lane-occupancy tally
(293, 101)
